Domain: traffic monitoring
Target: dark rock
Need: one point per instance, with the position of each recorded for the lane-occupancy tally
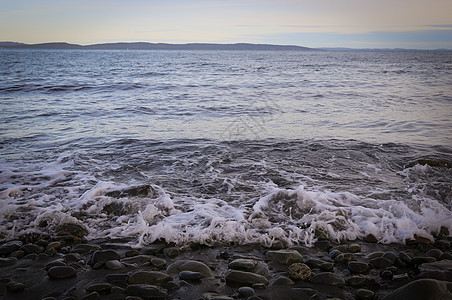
(77, 230)
(114, 265)
(328, 278)
(189, 275)
(9, 247)
(391, 256)
(149, 277)
(103, 256)
(31, 256)
(85, 248)
(387, 275)
(146, 291)
(370, 238)
(380, 262)
(406, 258)
(357, 280)
(130, 253)
(244, 278)
(14, 286)
(171, 252)
(55, 263)
(334, 253)
(324, 245)
(422, 289)
(242, 264)
(446, 255)
(189, 265)
(436, 253)
(159, 263)
(92, 296)
(285, 257)
(364, 294)
(139, 259)
(374, 254)
(9, 261)
(344, 258)
(172, 286)
(299, 271)
(419, 260)
(245, 291)
(61, 272)
(354, 248)
(440, 270)
(17, 254)
(31, 248)
(152, 249)
(422, 240)
(117, 279)
(282, 281)
(358, 267)
(101, 288)
(53, 245)
(73, 257)
(134, 191)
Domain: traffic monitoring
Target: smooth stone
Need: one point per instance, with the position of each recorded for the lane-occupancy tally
(370, 238)
(328, 278)
(324, 245)
(159, 263)
(242, 264)
(419, 260)
(285, 257)
(245, 278)
(139, 259)
(189, 265)
(245, 291)
(32, 248)
(55, 263)
(53, 245)
(171, 252)
(101, 288)
(189, 275)
(14, 286)
(390, 255)
(406, 258)
(364, 294)
(357, 280)
(172, 286)
(436, 253)
(117, 279)
(386, 274)
(440, 270)
(344, 258)
(104, 255)
(374, 254)
(146, 291)
(380, 262)
(446, 255)
(152, 249)
(299, 271)
(216, 296)
(114, 265)
(334, 253)
(9, 261)
(314, 263)
(358, 267)
(87, 247)
(282, 281)
(354, 248)
(422, 289)
(72, 229)
(73, 257)
(329, 267)
(149, 277)
(61, 272)
(10, 246)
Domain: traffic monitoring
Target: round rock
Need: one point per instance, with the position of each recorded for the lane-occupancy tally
(358, 267)
(189, 275)
(15, 286)
(242, 264)
(149, 277)
(61, 272)
(189, 265)
(299, 271)
(328, 278)
(285, 257)
(364, 294)
(245, 291)
(114, 265)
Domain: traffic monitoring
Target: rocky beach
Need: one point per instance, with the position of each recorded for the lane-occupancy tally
(67, 266)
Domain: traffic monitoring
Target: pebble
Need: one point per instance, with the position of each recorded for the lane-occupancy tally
(14, 286)
(357, 280)
(171, 252)
(189, 265)
(344, 258)
(282, 280)
(245, 278)
(354, 248)
(364, 294)
(9, 261)
(117, 279)
(139, 259)
(10, 246)
(370, 238)
(245, 291)
(242, 264)
(103, 256)
(152, 249)
(334, 253)
(446, 255)
(390, 255)
(55, 263)
(380, 262)
(114, 265)
(53, 245)
(159, 263)
(61, 272)
(387, 275)
(31, 248)
(189, 275)
(146, 291)
(149, 277)
(374, 254)
(406, 258)
(358, 267)
(299, 271)
(328, 278)
(285, 257)
(418, 260)
(101, 288)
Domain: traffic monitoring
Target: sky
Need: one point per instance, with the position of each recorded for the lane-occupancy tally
(415, 24)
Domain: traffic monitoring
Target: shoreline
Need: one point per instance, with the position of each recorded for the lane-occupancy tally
(69, 267)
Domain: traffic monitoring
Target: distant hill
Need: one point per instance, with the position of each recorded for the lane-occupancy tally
(156, 46)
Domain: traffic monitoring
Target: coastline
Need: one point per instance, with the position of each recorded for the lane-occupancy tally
(67, 266)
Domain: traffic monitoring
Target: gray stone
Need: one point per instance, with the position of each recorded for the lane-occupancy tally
(374, 254)
(387, 275)
(114, 265)
(146, 291)
(74, 257)
(354, 248)
(422, 289)
(189, 265)
(364, 294)
(149, 277)
(380, 262)
(390, 255)
(440, 270)
(419, 260)
(328, 278)
(32, 248)
(87, 248)
(245, 278)
(55, 263)
(282, 281)
(117, 279)
(189, 275)
(245, 291)
(9, 261)
(285, 257)
(61, 272)
(344, 258)
(333, 253)
(101, 288)
(159, 263)
(139, 259)
(242, 264)
(15, 286)
(446, 255)
(103, 256)
(358, 267)
(9, 247)
(152, 249)
(171, 252)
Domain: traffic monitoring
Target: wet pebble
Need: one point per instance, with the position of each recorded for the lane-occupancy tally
(139, 259)
(334, 253)
(387, 275)
(364, 294)
(285, 257)
(146, 291)
(31, 248)
(282, 280)
(380, 262)
(152, 249)
(245, 278)
(418, 260)
(171, 252)
(189, 265)
(354, 248)
(9, 247)
(61, 272)
(242, 264)
(14, 286)
(114, 265)
(103, 256)
(245, 291)
(358, 267)
(357, 280)
(55, 263)
(189, 275)
(436, 253)
(9, 261)
(159, 263)
(101, 288)
(328, 278)
(149, 277)
(92, 296)
(390, 255)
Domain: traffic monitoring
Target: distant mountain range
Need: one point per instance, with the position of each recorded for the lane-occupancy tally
(155, 46)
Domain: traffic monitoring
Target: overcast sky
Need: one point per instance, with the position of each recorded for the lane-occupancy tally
(418, 24)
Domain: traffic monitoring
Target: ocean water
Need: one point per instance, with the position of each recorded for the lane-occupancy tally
(221, 147)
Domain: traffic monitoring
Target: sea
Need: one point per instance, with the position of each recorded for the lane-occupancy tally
(226, 147)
